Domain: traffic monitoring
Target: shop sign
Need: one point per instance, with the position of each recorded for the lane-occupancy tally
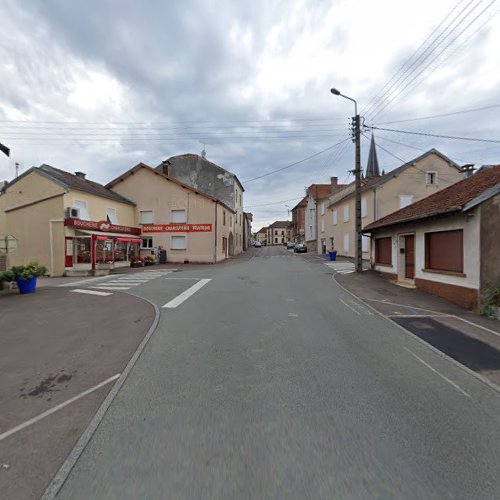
(100, 226)
(177, 228)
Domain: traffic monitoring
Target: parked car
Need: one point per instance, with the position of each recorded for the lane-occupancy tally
(300, 248)
(290, 245)
(257, 244)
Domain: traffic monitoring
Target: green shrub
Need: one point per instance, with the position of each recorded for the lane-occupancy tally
(490, 299)
(23, 272)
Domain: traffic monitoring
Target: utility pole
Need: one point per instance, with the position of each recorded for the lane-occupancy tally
(358, 251)
(356, 125)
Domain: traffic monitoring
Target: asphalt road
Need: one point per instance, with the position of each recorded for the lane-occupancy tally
(272, 382)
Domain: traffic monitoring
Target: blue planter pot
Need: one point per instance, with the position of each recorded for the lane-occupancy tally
(333, 255)
(27, 286)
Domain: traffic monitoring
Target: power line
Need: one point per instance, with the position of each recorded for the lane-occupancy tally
(441, 136)
(297, 162)
(430, 117)
(273, 203)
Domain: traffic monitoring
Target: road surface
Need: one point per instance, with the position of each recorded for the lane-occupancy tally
(270, 381)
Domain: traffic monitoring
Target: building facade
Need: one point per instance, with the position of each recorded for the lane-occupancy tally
(207, 177)
(67, 223)
(261, 236)
(191, 226)
(299, 221)
(444, 244)
(382, 195)
(278, 233)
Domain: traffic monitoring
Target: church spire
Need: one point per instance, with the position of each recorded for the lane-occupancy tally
(372, 169)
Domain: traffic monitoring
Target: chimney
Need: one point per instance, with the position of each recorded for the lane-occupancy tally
(468, 169)
(334, 182)
(80, 174)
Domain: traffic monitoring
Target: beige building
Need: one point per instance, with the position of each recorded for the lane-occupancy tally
(261, 236)
(67, 222)
(279, 232)
(190, 225)
(381, 195)
(444, 244)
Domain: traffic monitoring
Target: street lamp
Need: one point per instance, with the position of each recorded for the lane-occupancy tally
(358, 255)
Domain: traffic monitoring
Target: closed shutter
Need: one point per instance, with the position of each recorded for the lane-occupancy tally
(444, 251)
(383, 251)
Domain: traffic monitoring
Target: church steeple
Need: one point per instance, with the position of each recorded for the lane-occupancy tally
(372, 169)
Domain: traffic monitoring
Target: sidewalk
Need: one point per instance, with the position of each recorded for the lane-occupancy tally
(57, 345)
(470, 339)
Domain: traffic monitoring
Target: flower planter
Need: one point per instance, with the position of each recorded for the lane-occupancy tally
(136, 264)
(27, 286)
(105, 265)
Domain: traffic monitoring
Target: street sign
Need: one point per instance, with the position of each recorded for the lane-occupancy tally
(8, 244)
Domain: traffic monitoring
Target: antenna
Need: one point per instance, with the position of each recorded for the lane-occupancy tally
(203, 152)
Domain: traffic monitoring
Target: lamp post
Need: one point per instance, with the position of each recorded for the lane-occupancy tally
(358, 255)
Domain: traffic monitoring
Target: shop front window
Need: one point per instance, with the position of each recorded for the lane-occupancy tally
(133, 251)
(104, 251)
(82, 250)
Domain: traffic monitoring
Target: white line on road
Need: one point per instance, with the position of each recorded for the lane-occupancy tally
(351, 308)
(182, 278)
(33, 420)
(457, 387)
(91, 292)
(128, 283)
(112, 287)
(187, 293)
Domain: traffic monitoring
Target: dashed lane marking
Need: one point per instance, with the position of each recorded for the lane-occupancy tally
(91, 292)
(186, 294)
(112, 287)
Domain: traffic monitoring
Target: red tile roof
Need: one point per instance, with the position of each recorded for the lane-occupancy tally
(280, 223)
(450, 199)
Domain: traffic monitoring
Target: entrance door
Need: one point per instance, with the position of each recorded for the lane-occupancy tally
(409, 256)
(69, 252)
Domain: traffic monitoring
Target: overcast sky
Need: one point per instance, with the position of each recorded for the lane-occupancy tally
(106, 84)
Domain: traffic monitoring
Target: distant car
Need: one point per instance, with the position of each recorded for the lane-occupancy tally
(257, 244)
(300, 248)
(290, 245)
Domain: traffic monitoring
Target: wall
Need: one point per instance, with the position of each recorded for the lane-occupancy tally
(455, 288)
(310, 221)
(239, 227)
(97, 207)
(153, 192)
(490, 244)
(30, 226)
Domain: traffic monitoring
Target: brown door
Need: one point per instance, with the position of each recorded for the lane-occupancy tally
(410, 256)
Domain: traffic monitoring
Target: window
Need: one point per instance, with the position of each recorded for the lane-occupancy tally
(82, 206)
(282, 233)
(346, 214)
(335, 217)
(365, 243)
(363, 207)
(147, 242)
(383, 251)
(146, 217)
(111, 213)
(178, 243)
(322, 224)
(444, 251)
(230, 220)
(178, 216)
(275, 240)
(431, 178)
(322, 208)
(224, 218)
(331, 243)
(405, 200)
(346, 242)
(241, 219)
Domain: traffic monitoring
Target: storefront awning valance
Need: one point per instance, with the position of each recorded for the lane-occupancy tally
(129, 240)
(108, 236)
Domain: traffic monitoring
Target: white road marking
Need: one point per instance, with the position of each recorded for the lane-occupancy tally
(91, 292)
(293, 315)
(112, 287)
(351, 308)
(361, 307)
(33, 420)
(84, 281)
(163, 271)
(119, 283)
(456, 386)
(401, 315)
(186, 294)
(182, 278)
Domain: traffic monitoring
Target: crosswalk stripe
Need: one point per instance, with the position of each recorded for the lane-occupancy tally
(91, 292)
(112, 287)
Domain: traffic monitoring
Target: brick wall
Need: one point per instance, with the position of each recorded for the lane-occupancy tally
(460, 295)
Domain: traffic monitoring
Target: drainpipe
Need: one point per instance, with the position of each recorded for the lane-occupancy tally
(51, 244)
(215, 229)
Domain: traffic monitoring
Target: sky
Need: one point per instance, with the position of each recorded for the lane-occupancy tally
(99, 86)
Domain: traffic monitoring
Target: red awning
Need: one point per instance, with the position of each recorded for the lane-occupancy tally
(129, 240)
(102, 238)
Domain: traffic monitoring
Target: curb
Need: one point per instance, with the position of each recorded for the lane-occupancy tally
(57, 482)
(443, 355)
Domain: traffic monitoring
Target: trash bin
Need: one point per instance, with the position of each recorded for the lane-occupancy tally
(333, 255)
(163, 256)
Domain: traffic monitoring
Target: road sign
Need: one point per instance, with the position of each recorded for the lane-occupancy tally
(8, 244)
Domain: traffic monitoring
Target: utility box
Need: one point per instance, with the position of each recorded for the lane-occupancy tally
(163, 256)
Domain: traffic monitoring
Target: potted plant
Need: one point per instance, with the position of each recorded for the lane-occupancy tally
(25, 276)
(136, 262)
(107, 264)
(149, 260)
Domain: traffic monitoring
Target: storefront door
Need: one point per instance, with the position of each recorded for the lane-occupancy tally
(409, 256)
(69, 252)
